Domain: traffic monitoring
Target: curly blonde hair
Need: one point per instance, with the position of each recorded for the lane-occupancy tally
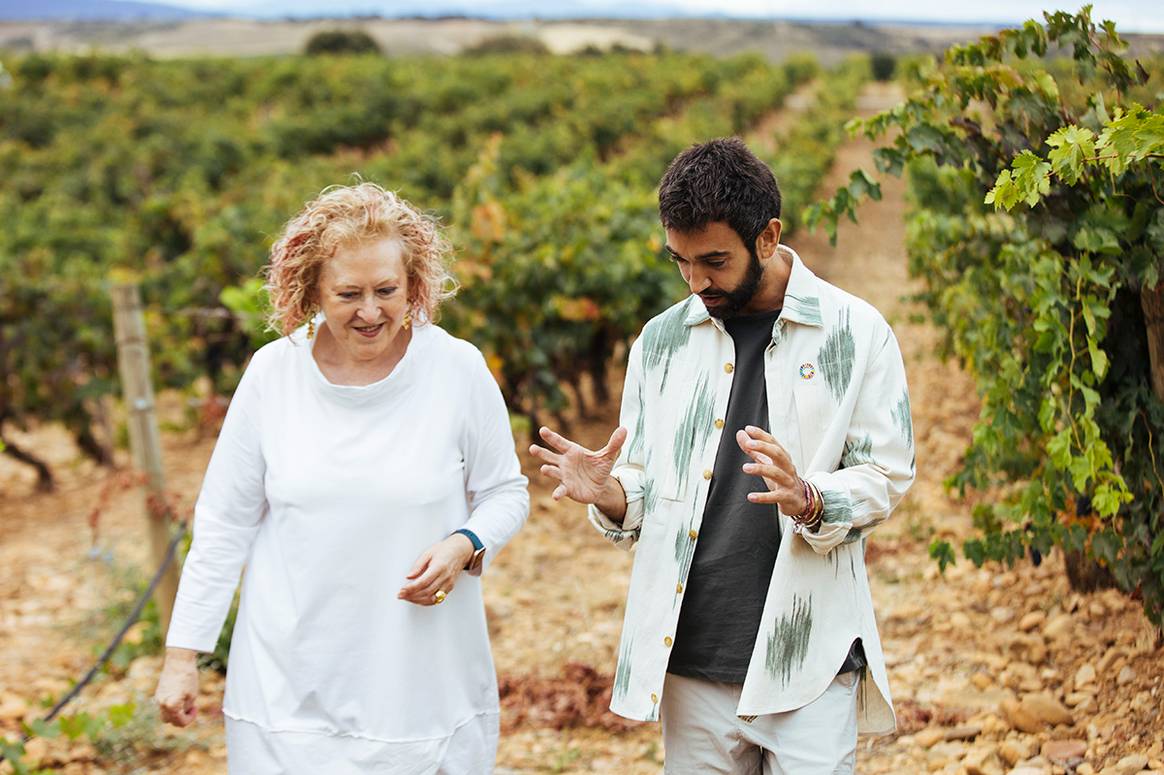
(343, 216)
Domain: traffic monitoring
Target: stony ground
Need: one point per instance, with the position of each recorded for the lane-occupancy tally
(993, 671)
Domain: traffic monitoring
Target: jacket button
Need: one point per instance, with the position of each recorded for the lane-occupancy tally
(728, 368)
(667, 641)
(719, 423)
(707, 474)
(654, 699)
(679, 588)
(693, 534)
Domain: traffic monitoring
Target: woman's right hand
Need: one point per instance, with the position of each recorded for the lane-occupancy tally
(177, 690)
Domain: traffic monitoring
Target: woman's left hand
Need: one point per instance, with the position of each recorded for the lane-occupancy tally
(437, 570)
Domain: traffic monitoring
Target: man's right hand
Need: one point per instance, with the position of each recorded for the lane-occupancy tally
(582, 474)
(177, 689)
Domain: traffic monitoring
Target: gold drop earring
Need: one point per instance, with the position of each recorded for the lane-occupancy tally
(407, 320)
(311, 327)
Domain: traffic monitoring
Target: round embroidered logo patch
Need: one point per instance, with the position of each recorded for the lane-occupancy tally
(807, 371)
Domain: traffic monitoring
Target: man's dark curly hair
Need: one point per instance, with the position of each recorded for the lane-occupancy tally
(720, 180)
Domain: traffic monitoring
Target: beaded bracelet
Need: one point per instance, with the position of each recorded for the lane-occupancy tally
(809, 504)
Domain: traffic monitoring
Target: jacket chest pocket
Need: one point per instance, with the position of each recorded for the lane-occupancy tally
(815, 409)
(672, 451)
(685, 430)
(673, 483)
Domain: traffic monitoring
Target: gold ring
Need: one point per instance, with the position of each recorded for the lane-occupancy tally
(440, 596)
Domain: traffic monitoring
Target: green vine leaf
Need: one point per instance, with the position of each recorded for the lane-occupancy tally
(1071, 147)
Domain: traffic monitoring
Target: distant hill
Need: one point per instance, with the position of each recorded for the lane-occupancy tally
(92, 10)
(206, 35)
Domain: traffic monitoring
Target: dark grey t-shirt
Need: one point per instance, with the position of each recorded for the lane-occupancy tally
(723, 599)
(738, 541)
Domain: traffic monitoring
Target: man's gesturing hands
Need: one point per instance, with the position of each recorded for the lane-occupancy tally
(583, 475)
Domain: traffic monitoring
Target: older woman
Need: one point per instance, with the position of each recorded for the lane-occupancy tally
(365, 475)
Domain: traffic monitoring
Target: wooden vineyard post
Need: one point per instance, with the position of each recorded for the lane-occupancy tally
(1152, 302)
(133, 360)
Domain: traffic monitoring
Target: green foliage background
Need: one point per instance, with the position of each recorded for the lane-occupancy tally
(1042, 301)
(180, 174)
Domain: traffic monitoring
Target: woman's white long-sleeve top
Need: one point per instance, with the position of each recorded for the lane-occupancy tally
(328, 494)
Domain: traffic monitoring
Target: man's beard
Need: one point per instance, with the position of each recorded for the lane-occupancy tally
(738, 298)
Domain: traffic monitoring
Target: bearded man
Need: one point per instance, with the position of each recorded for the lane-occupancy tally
(765, 430)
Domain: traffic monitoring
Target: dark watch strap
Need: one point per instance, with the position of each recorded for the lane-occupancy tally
(467, 533)
(475, 562)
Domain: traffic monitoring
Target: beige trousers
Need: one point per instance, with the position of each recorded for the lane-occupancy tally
(702, 733)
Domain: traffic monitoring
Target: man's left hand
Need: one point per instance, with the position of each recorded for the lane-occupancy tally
(771, 462)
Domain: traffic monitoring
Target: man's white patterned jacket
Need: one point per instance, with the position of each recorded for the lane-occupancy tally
(838, 403)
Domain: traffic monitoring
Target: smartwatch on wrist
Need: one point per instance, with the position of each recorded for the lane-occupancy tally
(478, 556)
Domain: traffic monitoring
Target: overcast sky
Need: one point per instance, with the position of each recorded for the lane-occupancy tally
(1129, 15)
